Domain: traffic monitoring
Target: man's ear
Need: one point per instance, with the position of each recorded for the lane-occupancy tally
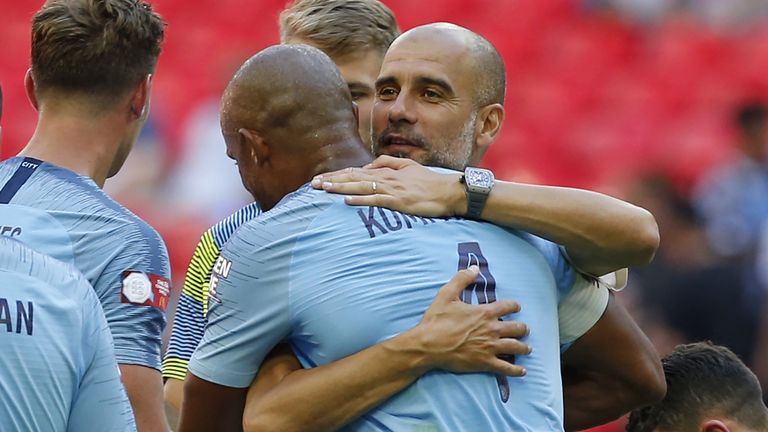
(140, 98)
(30, 88)
(487, 129)
(254, 146)
(713, 426)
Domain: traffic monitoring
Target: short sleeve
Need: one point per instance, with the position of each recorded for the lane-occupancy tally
(580, 309)
(248, 309)
(101, 403)
(562, 270)
(192, 310)
(134, 289)
(190, 319)
(582, 300)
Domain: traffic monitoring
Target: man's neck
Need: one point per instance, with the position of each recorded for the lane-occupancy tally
(346, 153)
(84, 145)
(337, 155)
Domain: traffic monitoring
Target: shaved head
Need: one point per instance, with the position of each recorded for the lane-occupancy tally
(287, 92)
(487, 67)
(286, 116)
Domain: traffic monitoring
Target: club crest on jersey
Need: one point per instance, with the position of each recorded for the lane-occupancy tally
(145, 289)
(220, 271)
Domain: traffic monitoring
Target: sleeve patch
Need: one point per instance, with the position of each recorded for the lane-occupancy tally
(145, 289)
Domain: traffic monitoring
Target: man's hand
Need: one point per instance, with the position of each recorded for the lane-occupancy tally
(460, 337)
(452, 335)
(398, 184)
(601, 234)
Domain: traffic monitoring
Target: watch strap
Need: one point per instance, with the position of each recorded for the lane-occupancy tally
(475, 203)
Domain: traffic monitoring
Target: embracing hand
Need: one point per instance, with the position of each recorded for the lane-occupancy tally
(461, 337)
(398, 184)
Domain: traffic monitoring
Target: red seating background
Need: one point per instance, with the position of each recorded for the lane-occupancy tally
(591, 99)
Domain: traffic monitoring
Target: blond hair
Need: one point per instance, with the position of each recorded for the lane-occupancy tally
(340, 27)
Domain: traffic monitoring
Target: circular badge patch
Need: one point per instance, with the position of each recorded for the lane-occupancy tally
(137, 287)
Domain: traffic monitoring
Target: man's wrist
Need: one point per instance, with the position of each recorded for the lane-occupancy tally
(409, 348)
(458, 196)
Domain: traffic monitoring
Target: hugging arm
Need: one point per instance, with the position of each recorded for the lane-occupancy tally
(601, 234)
(452, 335)
(609, 371)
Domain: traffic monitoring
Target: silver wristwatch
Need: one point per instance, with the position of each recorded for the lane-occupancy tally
(478, 183)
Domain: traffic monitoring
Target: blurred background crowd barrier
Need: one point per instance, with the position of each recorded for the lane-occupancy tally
(659, 102)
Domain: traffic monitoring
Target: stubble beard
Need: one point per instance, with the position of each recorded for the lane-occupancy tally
(446, 155)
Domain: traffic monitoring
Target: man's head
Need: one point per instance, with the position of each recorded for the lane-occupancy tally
(95, 57)
(355, 34)
(752, 121)
(708, 389)
(439, 97)
(285, 110)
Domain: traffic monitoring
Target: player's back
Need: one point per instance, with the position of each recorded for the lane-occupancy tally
(338, 279)
(58, 370)
(67, 216)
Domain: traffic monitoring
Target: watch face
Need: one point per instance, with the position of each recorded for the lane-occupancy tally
(478, 178)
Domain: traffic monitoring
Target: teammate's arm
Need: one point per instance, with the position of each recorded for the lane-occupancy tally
(452, 335)
(600, 233)
(173, 391)
(145, 391)
(189, 320)
(609, 371)
(136, 285)
(211, 407)
(101, 403)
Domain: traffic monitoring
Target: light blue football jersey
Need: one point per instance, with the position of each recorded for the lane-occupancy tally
(58, 370)
(192, 309)
(67, 216)
(332, 279)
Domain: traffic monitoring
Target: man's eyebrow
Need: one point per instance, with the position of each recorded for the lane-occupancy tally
(386, 80)
(358, 86)
(436, 82)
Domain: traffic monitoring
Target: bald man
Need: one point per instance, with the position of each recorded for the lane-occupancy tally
(440, 93)
(431, 118)
(332, 279)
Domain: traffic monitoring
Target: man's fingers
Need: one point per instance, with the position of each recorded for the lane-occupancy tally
(503, 367)
(512, 347)
(348, 175)
(503, 307)
(513, 329)
(352, 177)
(365, 187)
(386, 201)
(450, 291)
(389, 162)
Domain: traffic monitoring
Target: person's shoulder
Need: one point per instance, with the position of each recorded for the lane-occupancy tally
(296, 208)
(65, 279)
(62, 190)
(8, 166)
(291, 216)
(223, 230)
(726, 177)
(124, 235)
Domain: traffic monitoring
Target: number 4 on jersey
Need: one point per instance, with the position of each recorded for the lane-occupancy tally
(484, 289)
